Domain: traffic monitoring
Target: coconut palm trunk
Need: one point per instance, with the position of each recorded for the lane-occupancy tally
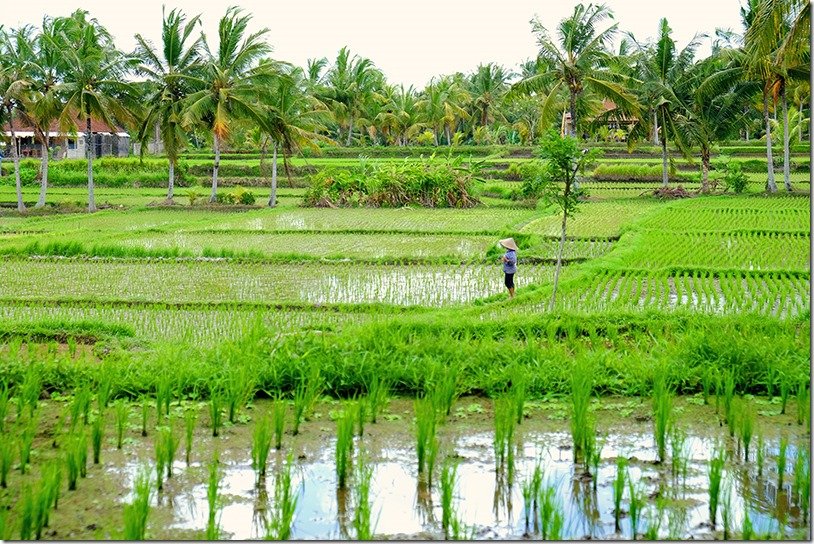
(273, 195)
(786, 173)
(665, 180)
(171, 181)
(89, 153)
(15, 155)
(655, 128)
(771, 186)
(572, 110)
(214, 195)
(449, 136)
(561, 248)
(44, 168)
(350, 132)
(704, 169)
(802, 124)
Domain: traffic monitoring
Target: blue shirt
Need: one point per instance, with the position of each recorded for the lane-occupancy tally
(510, 266)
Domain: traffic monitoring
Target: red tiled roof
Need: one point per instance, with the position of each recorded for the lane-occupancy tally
(96, 125)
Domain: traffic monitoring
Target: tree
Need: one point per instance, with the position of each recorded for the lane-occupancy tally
(350, 82)
(487, 87)
(172, 74)
(578, 61)
(232, 79)
(94, 83)
(556, 182)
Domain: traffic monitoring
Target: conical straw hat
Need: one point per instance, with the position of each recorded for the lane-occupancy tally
(508, 243)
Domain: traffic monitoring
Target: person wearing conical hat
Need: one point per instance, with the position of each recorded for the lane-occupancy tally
(509, 260)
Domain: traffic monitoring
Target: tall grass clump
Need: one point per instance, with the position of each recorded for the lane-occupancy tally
(4, 402)
(582, 425)
(278, 409)
(637, 502)
(378, 395)
(679, 453)
(30, 389)
(619, 491)
(780, 461)
(803, 402)
(445, 387)
(104, 389)
(190, 420)
(747, 428)
(662, 410)
(261, 446)
(96, 435)
(25, 443)
(212, 499)
(551, 515)
(308, 390)
(344, 446)
(285, 504)
(360, 409)
(362, 514)
(715, 472)
(170, 441)
(216, 411)
(122, 416)
(518, 393)
(76, 454)
(6, 461)
(240, 388)
(144, 414)
(27, 513)
(52, 478)
(80, 406)
(163, 394)
(449, 472)
(505, 423)
(728, 399)
(136, 513)
(531, 494)
(801, 490)
(426, 421)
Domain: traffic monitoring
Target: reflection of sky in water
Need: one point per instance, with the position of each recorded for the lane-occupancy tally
(492, 509)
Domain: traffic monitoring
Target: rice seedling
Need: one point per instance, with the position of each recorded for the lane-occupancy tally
(729, 396)
(308, 390)
(285, 504)
(662, 409)
(190, 420)
(803, 402)
(726, 510)
(531, 494)
(80, 406)
(619, 491)
(104, 389)
(212, 499)
(677, 522)
(6, 460)
(706, 384)
(654, 519)
(96, 436)
(160, 453)
(362, 515)
(27, 513)
(136, 513)
(278, 409)
(30, 389)
(582, 425)
(679, 454)
(42, 508)
(163, 395)
(25, 443)
(261, 445)
(460, 531)
(360, 409)
(52, 478)
(144, 415)
(75, 456)
(518, 392)
(637, 502)
(344, 446)
(747, 428)
(551, 516)
(378, 395)
(122, 416)
(240, 387)
(168, 438)
(445, 388)
(449, 472)
(780, 461)
(760, 455)
(785, 391)
(4, 402)
(216, 411)
(715, 472)
(505, 423)
(802, 480)
(426, 419)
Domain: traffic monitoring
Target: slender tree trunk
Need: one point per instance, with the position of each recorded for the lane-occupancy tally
(771, 186)
(214, 195)
(747, 134)
(786, 173)
(449, 136)
(273, 196)
(44, 167)
(655, 128)
(665, 180)
(15, 155)
(802, 123)
(435, 136)
(704, 169)
(560, 250)
(572, 109)
(171, 181)
(350, 132)
(89, 151)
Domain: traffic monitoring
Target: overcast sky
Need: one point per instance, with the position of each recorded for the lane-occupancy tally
(410, 40)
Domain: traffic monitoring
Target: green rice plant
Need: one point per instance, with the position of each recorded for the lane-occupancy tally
(25, 443)
(449, 471)
(362, 515)
(30, 389)
(361, 414)
(212, 499)
(104, 388)
(706, 384)
(677, 522)
(726, 510)
(729, 396)
(278, 409)
(261, 445)
(655, 518)
(6, 460)
(772, 375)
(52, 478)
(760, 455)
(780, 461)
(679, 454)
(75, 454)
(747, 530)
(216, 411)
(80, 406)
(167, 436)
(551, 515)
(594, 460)
(285, 504)
(240, 388)
(96, 436)
(344, 446)
(802, 480)
(531, 493)
(785, 391)
(582, 424)
(426, 419)
(619, 491)
(715, 472)
(460, 531)
(190, 420)
(308, 390)
(747, 428)
(122, 415)
(445, 388)
(505, 423)
(160, 453)
(803, 402)
(637, 502)
(719, 389)
(378, 395)
(4, 402)
(144, 415)
(518, 392)
(163, 394)
(662, 410)
(27, 513)
(136, 513)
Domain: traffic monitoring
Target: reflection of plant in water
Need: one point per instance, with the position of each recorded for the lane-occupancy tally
(747, 428)
(531, 495)
(760, 455)
(362, 521)
(503, 443)
(801, 489)
(637, 502)
(261, 445)
(654, 519)
(212, 499)
(619, 490)
(726, 509)
(285, 504)
(344, 445)
(135, 513)
(803, 401)
(582, 424)
(551, 515)
(677, 522)
(781, 460)
(426, 420)
(190, 420)
(716, 468)
(662, 410)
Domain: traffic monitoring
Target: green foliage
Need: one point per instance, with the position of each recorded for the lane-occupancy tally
(285, 503)
(96, 436)
(426, 425)
(619, 490)
(122, 415)
(344, 445)
(583, 430)
(715, 472)
(734, 178)
(212, 498)
(662, 412)
(261, 445)
(362, 515)
(136, 513)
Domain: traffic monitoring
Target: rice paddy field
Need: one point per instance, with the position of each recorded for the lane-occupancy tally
(217, 372)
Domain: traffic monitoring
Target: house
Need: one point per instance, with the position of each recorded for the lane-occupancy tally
(106, 141)
(611, 120)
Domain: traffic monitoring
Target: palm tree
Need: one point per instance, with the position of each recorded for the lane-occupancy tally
(350, 82)
(400, 114)
(94, 83)
(664, 75)
(488, 86)
(231, 82)
(171, 73)
(577, 60)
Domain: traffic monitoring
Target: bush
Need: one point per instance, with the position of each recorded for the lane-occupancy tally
(734, 178)
(242, 196)
(633, 172)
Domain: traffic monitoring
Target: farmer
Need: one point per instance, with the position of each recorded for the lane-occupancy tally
(509, 260)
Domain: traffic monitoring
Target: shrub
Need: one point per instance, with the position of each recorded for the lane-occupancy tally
(734, 178)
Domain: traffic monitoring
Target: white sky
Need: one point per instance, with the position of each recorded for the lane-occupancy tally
(410, 40)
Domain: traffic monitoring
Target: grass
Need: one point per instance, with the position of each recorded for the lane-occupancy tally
(212, 498)
(216, 412)
(662, 413)
(6, 461)
(80, 406)
(445, 387)
(4, 402)
(582, 425)
(190, 420)
(122, 417)
(362, 514)
(715, 473)
(278, 410)
(25, 442)
(167, 437)
(308, 390)
(285, 503)
(96, 436)
(137, 512)
(449, 472)
(261, 445)
(345, 425)
(619, 491)
(780, 460)
(505, 423)
(240, 387)
(747, 428)
(426, 426)
(378, 395)
(163, 395)
(160, 456)
(75, 458)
